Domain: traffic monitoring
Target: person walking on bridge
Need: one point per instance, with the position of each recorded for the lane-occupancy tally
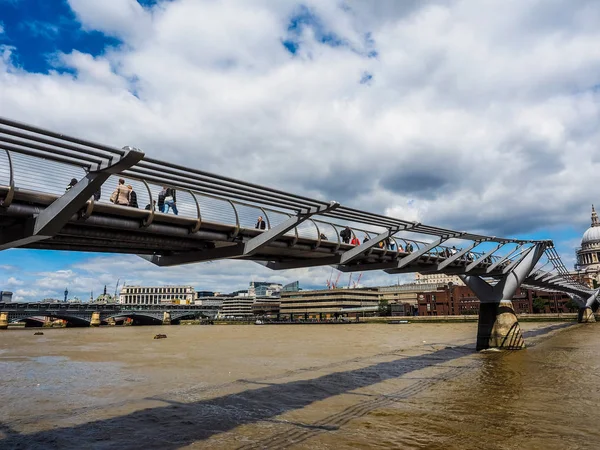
(346, 234)
(171, 201)
(121, 195)
(132, 197)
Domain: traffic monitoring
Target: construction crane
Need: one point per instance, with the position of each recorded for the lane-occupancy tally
(328, 282)
(335, 285)
(355, 285)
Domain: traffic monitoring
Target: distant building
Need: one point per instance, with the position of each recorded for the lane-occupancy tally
(265, 288)
(202, 294)
(405, 293)
(403, 309)
(460, 300)
(437, 278)
(327, 303)
(588, 255)
(210, 301)
(6, 296)
(155, 295)
(291, 287)
(238, 307)
(266, 306)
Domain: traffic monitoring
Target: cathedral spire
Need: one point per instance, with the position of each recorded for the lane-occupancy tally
(595, 222)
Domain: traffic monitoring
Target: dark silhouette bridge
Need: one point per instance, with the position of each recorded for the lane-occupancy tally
(217, 218)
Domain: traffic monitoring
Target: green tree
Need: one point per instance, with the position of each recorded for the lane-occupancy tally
(539, 305)
(572, 305)
(384, 308)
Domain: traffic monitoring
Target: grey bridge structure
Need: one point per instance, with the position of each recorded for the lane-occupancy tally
(217, 216)
(94, 314)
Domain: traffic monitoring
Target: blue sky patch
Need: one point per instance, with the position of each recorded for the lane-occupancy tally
(38, 29)
(304, 18)
(366, 77)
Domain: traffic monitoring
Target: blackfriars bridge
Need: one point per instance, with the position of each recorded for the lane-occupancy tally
(217, 216)
(95, 314)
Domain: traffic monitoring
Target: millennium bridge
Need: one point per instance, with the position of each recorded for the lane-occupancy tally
(217, 217)
(95, 314)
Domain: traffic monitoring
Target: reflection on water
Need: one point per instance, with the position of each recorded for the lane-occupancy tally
(355, 386)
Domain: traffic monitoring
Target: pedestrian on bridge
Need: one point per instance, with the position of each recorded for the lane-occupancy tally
(121, 195)
(71, 184)
(261, 224)
(132, 197)
(346, 234)
(170, 201)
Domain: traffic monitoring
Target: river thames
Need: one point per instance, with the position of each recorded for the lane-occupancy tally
(305, 387)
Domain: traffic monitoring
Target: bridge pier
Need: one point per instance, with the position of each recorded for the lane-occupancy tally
(499, 327)
(95, 322)
(3, 320)
(166, 318)
(498, 324)
(586, 315)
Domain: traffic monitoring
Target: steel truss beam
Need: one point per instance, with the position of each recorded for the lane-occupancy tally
(504, 258)
(54, 217)
(242, 249)
(456, 256)
(483, 258)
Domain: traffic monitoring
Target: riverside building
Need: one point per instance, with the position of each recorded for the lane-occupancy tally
(155, 295)
(328, 303)
(438, 278)
(238, 307)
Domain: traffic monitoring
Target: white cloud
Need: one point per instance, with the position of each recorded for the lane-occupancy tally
(480, 115)
(12, 281)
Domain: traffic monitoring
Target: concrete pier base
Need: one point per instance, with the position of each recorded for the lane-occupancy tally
(586, 315)
(95, 322)
(498, 327)
(166, 318)
(3, 320)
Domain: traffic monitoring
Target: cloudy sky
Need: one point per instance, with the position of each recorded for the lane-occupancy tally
(471, 114)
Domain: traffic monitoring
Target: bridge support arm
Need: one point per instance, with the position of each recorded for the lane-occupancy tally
(498, 326)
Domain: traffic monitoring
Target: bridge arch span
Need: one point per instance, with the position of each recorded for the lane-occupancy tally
(72, 321)
(138, 317)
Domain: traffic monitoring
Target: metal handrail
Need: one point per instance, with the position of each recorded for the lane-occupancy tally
(11, 183)
(198, 224)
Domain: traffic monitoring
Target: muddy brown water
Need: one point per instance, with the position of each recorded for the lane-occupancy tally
(304, 387)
